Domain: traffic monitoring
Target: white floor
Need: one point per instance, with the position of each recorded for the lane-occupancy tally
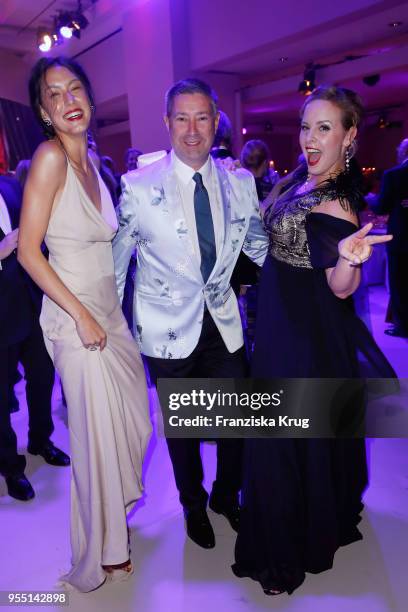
(173, 574)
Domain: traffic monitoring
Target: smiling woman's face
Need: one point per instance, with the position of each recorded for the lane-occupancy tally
(64, 101)
(323, 138)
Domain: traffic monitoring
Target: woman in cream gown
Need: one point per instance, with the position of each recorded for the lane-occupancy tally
(67, 204)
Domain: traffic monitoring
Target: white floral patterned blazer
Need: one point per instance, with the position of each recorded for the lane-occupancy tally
(169, 289)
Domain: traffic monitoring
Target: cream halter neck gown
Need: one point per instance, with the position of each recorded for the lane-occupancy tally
(105, 391)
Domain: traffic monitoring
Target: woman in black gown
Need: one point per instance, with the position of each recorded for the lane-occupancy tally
(301, 498)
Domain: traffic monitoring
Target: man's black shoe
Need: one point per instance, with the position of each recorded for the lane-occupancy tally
(19, 487)
(51, 454)
(396, 331)
(231, 513)
(199, 528)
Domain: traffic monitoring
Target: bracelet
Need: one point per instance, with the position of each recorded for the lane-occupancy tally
(351, 263)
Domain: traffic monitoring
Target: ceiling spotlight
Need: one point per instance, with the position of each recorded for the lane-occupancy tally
(66, 32)
(283, 59)
(44, 40)
(244, 131)
(70, 24)
(395, 24)
(307, 85)
(66, 25)
(63, 25)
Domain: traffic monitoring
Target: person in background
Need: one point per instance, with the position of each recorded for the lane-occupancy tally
(21, 340)
(393, 201)
(20, 174)
(371, 186)
(222, 147)
(109, 163)
(256, 157)
(104, 170)
(131, 158)
(111, 178)
(22, 169)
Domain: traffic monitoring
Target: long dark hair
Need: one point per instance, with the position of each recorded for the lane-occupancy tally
(37, 78)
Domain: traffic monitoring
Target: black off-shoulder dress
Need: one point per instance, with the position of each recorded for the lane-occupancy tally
(301, 498)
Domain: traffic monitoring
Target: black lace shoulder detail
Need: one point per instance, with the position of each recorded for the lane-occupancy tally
(347, 188)
(285, 219)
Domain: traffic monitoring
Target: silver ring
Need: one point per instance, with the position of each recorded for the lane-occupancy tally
(93, 347)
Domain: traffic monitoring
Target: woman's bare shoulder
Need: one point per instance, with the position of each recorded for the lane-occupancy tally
(51, 155)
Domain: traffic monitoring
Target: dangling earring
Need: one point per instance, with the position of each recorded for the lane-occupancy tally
(347, 159)
(92, 108)
(47, 122)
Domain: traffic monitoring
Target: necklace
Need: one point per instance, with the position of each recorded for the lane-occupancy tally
(306, 186)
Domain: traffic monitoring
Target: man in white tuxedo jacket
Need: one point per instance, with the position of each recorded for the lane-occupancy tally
(189, 218)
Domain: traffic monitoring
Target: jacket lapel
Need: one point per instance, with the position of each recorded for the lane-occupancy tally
(223, 188)
(176, 211)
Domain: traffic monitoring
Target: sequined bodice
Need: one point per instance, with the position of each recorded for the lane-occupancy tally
(285, 223)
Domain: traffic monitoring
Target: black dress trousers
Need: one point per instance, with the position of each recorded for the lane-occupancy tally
(210, 359)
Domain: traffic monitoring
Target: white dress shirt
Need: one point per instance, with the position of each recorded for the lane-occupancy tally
(186, 185)
(5, 222)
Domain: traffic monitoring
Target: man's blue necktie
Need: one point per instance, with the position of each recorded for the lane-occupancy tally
(205, 227)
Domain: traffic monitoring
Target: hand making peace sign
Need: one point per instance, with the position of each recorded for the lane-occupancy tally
(357, 247)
